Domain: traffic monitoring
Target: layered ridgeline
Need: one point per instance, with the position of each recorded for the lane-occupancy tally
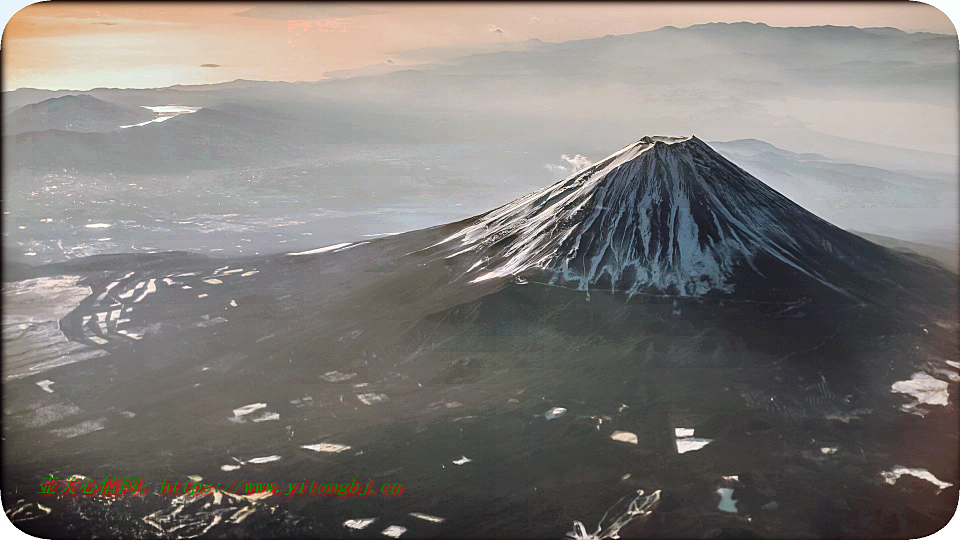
(83, 113)
(671, 215)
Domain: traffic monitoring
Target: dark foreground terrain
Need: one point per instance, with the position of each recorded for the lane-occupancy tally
(809, 398)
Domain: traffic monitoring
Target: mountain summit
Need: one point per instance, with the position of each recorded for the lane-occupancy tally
(669, 215)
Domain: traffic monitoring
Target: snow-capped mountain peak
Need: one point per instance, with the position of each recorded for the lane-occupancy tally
(664, 213)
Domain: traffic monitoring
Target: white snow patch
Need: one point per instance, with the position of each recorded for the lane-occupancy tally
(80, 429)
(555, 412)
(151, 288)
(689, 444)
(371, 398)
(350, 247)
(321, 250)
(336, 376)
(923, 387)
(427, 517)
(247, 409)
(895, 473)
(211, 322)
(164, 113)
(686, 442)
(358, 523)
(394, 531)
(617, 517)
(265, 459)
(131, 334)
(326, 447)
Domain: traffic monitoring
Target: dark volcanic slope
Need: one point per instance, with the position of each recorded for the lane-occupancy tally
(468, 363)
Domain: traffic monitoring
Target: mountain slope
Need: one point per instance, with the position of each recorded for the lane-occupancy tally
(666, 215)
(203, 140)
(81, 112)
(851, 196)
(445, 358)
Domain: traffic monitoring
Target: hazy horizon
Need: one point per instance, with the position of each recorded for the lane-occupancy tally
(193, 44)
(327, 78)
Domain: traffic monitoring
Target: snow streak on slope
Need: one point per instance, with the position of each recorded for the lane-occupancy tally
(664, 213)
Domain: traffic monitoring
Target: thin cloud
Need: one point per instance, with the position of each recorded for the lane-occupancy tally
(306, 11)
(552, 167)
(577, 162)
(210, 65)
(571, 164)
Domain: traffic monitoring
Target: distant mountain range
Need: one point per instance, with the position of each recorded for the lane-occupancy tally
(715, 80)
(82, 113)
(892, 203)
(494, 119)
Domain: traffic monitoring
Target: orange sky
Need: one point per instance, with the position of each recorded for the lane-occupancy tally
(81, 45)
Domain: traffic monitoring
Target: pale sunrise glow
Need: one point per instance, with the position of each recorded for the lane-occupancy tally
(155, 44)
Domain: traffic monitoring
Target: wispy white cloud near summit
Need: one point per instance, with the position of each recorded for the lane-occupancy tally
(570, 164)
